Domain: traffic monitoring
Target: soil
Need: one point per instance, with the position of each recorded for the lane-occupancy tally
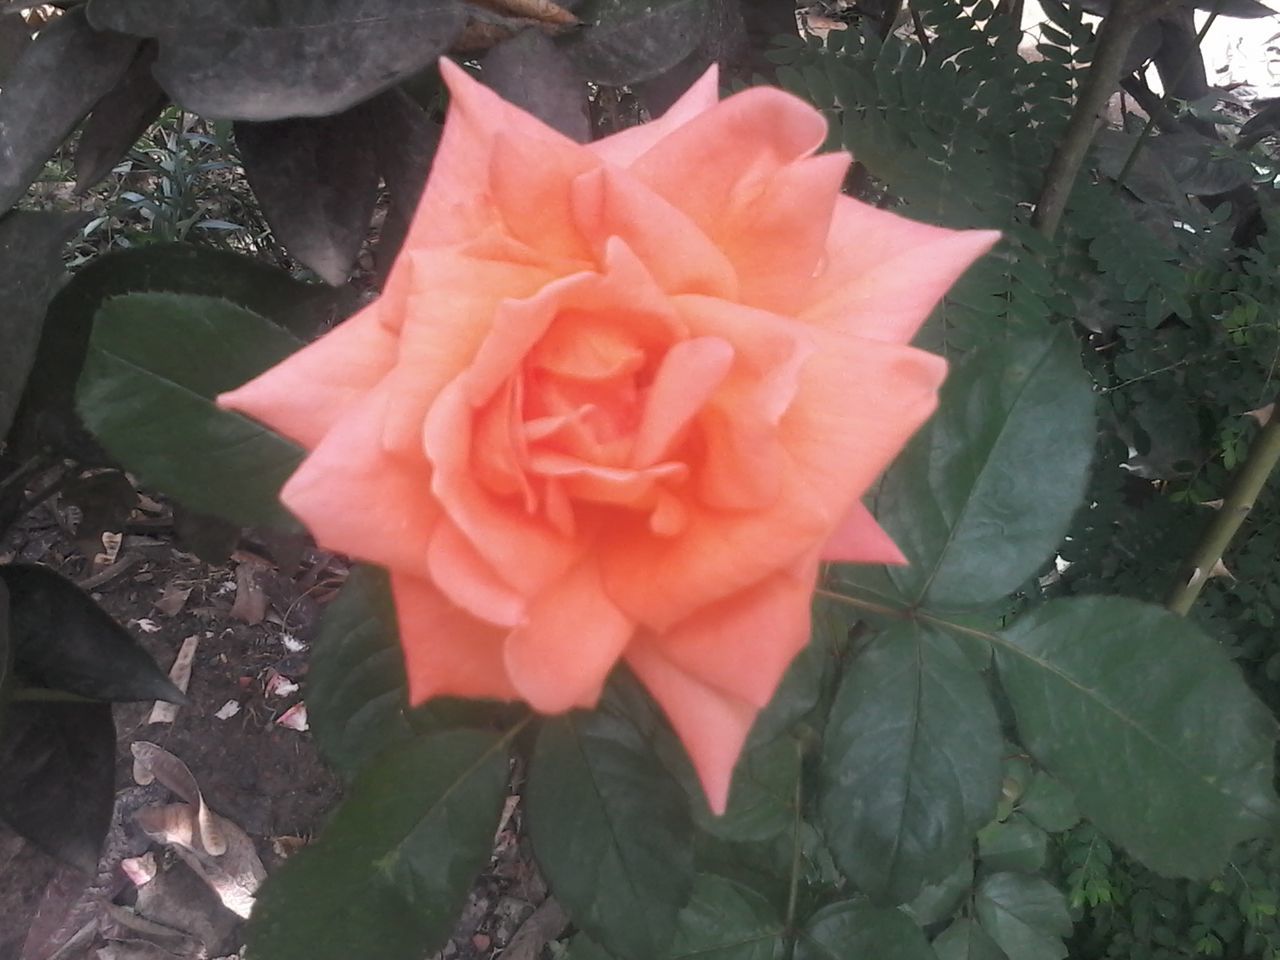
(255, 614)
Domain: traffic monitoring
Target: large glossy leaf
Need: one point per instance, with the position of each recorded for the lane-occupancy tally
(156, 362)
(1146, 719)
(611, 831)
(119, 119)
(404, 142)
(47, 415)
(59, 78)
(984, 494)
(1025, 916)
(59, 763)
(910, 763)
(63, 640)
(966, 940)
(530, 71)
(390, 873)
(1014, 844)
(857, 929)
(631, 40)
(727, 921)
(317, 181)
(266, 61)
(30, 267)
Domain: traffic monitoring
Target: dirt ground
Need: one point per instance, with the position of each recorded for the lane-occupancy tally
(242, 738)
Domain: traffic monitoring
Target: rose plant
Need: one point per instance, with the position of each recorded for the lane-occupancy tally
(620, 406)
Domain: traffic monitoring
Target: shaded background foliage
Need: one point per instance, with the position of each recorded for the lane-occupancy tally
(1160, 277)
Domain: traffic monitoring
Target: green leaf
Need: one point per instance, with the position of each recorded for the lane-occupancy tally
(1015, 844)
(965, 940)
(855, 929)
(64, 641)
(30, 268)
(59, 763)
(627, 41)
(1146, 719)
(156, 362)
(582, 947)
(1049, 804)
(301, 59)
(58, 79)
(985, 493)
(356, 697)
(1026, 916)
(530, 71)
(761, 797)
(937, 901)
(727, 921)
(611, 830)
(119, 120)
(392, 870)
(910, 763)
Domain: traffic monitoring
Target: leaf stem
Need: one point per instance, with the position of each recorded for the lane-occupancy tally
(1239, 501)
(1117, 33)
(793, 890)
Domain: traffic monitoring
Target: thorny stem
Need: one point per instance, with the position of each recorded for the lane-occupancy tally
(1150, 125)
(1102, 80)
(1248, 483)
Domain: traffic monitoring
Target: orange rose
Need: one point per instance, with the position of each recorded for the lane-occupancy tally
(618, 401)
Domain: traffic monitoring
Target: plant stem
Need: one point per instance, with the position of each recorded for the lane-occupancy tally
(1118, 30)
(1248, 483)
(793, 891)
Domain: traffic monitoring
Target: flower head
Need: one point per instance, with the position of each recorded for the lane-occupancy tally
(617, 402)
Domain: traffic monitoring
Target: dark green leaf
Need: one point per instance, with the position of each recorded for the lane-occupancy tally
(854, 929)
(405, 141)
(761, 797)
(530, 71)
(1149, 723)
(1015, 844)
(265, 61)
(1026, 916)
(119, 120)
(317, 181)
(965, 940)
(801, 685)
(59, 78)
(59, 763)
(910, 764)
(356, 688)
(392, 870)
(582, 947)
(63, 640)
(611, 831)
(1049, 804)
(727, 921)
(937, 901)
(985, 493)
(633, 40)
(30, 268)
(47, 415)
(156, 362)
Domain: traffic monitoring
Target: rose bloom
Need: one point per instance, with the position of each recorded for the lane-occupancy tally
(618, 401)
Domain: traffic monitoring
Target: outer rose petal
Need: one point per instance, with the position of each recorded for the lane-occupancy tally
(304, 396)
(559, 658)
(712, 725)
(859, 539)
(447, 651)
(885, 274)
(356, 497)
(467, 580)
(624, 147)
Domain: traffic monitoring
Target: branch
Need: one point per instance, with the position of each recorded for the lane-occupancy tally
(1118, 31)
(1248, 483)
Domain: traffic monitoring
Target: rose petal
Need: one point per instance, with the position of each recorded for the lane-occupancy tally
(743, 644)
(609, 205)
(885, 273)
(530, 182)
(447, 651)
(559, 658)
(469, 581)
(686, 379)
(357, 498)
(712, 725)
(303, 396)
(624, 147)
(859, 539)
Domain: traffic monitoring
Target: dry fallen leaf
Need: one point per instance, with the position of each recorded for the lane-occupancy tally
(173, 600)
(295, 718)
(180, 674)
(251, 601)
(227, 710)
(1262, 414)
